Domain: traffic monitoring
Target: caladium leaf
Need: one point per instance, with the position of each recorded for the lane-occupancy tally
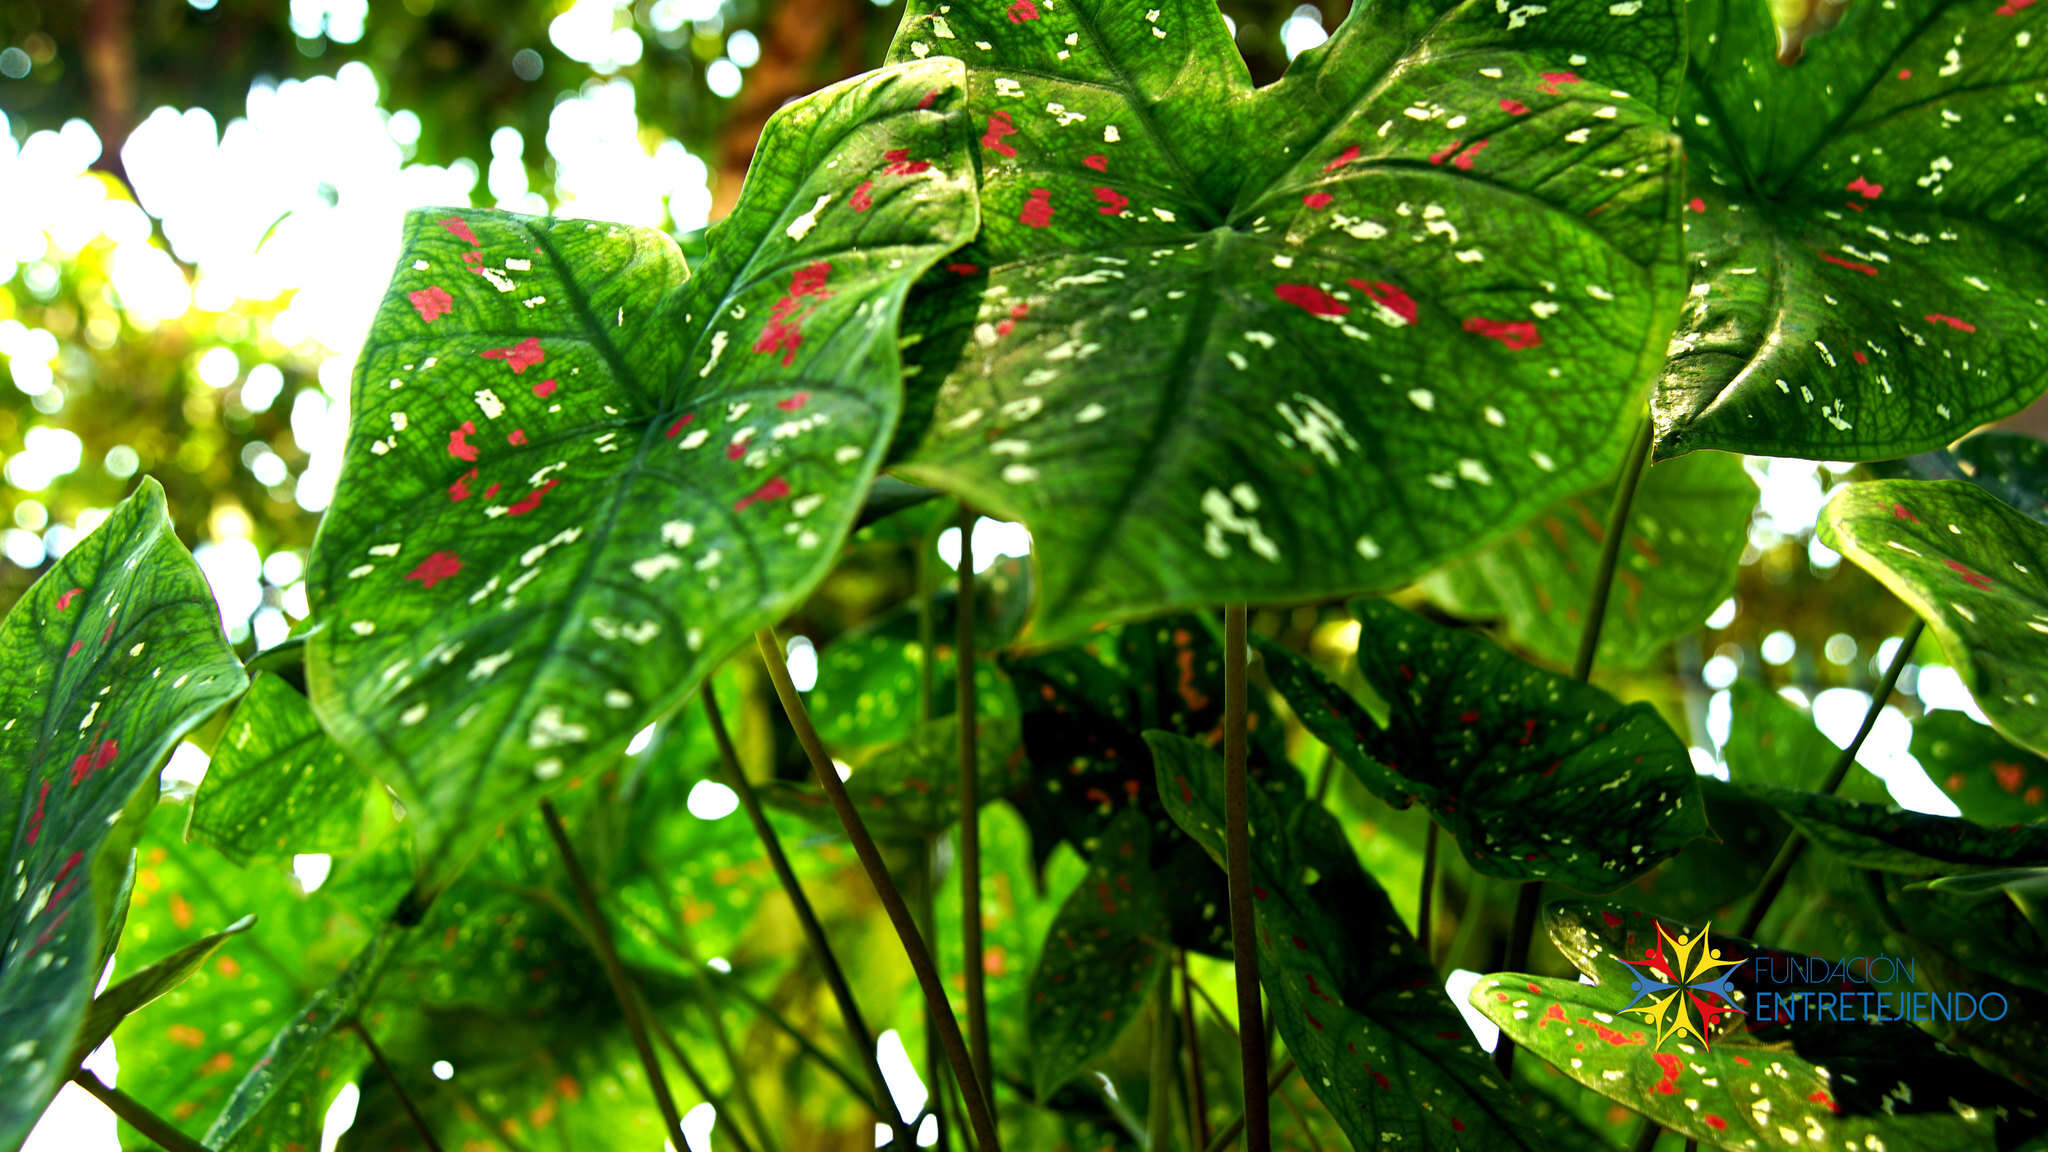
(135, 991)
(277, 785)
(1989, 779)
(1100, 957)
(1975, 570)
(1221, 344)
(1989, 922)
(1773, 741)
(912, 790)
(2009, 465)
(1867, 261)
(1893, 840)
(1711, 877)
(589, 478)
(1354, 995)
(109, 659)
(1538, 776)
(1685, 539)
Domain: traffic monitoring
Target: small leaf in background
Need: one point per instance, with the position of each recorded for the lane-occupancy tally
(1891, 839)
(587, 477)
(277, 785)
(135, 991)
(1989, 779)
(1354, 996)
(1867, 271)
(1537, 775)
(2009, 465)
(1685, 537)
(1773, 741)
(108, 661)
(1975, 570)
(1100, 959)
(1217, 343)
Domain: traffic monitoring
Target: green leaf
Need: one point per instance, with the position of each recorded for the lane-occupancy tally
(2009, 465)
(912, 791)
(1219, 344)
(1711, 877)
(1989, 779)
(135, 991)
(278, 786)
(1538, 776)
(1868, 269)
(1685, 537)
(1100, 957)
(1989, 923)
(866, 698)
(1774, 741)
(105, 664)
(1356, 1000)
(1893, 840)
(1975, 570)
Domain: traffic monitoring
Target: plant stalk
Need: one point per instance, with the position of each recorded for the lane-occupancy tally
(160, 1131)
(412, 1111)
(1795, 842)
(1198, 1093)
(1228, 1135)
(615, 973)
(1159, 1102)
(971, 945)
(1244, 945)
(696, 1078)
(978, 1114)
(807, 918)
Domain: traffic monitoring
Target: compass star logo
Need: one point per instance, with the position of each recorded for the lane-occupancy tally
(1684, 1004)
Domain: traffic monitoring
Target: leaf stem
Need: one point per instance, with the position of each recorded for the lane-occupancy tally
(1423, 925)
(412, 1111)
(1159, 1101)
(970, 812)
(978, 1114)
(1198, 1093)
(703, 1086)
(1244, 950)
(1794, 847)
(807, 918)
(615, 973)
(160, 1131)
(1228, 1135)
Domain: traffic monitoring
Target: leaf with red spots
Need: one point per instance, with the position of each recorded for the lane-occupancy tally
(1975, 570)
(1891, 839)
(110, 659)
(1537, 775)
(1265, 332)
(2010, 465)
(911, 791)
(1847, 1084)
(515, 577)
(1989, 779)
(1360, 1006)
(1868, 270)
(1685, 539)
(278, 786)
(1100, 958)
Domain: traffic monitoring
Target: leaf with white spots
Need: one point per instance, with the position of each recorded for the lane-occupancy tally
(1223, 344)
(911, 791)
(1868, 237)
(1989, 779)
(1100, 957)
(564, 500)
(1685, 539)
(1892, 839)
(1355, 997)
(1538, 776)
(2009, 465)
(277, 785)
(1975, 570)
(110, 659)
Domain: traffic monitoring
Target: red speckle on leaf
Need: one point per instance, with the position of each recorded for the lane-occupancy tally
(2011, 8)
(1901, 512)
(531, 500)
(459, 491)
(1951, 321)
(1515, 335)
(738, 447)
(75, 646)
(1464, 161)
(492, 491)
(1514, 107)
(1820, 1096)
(1973, 579)
(682, 420)
(900, 163)
(963, 269)
(1697, 204)
(1859, 356)
(1313, 1022)
(1715, 1122)
(1345, 157)
(1618, 1039)
(860, 199)
(1311, 299)
(1445, 154)
(794, 402)
(2010, 776)
(1457, 1125)
(1396, 302)
(1017, 312)
(544, 389)
(1468, 718)
(458, 441)
(1868, 190)
(517, 437)
(1187, 796)
(1099, 163)
(784, 331)
(64, 601)
(459, 227)
(520, 356)
(92, 760)
(1113, 201)
(1318, 200)
(1037, 210)
(1022, 11)
(1552, 80)
(431, 303)
(1852, 265)
(436, 568)
(775, 489)
(930, 98)
(999, 126)
(35, 819)
(1556, 1013)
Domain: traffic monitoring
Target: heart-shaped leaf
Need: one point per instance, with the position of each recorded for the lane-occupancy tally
(1989, 779)
(1975, 570)
(1537, 775)
(1868, 267)
(586, 478)
(1711, 877)
(1354, 996)
(1894, 840)
(2009, 465)
(1223, 344)
(278, 786)
(109, 659)
(1100, 958)
(1685, 537)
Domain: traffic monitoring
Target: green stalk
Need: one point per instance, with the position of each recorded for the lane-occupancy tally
(1159, 1104)
(160, 1131)
(412, 1111)
(978, 1113)
(1198, 1093)
(696, 1078)
(970, 813)
(1228, 1136)
(807, 918)
(1244, 946)
(934, 1059)
(615, 974)
(1530, 899)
